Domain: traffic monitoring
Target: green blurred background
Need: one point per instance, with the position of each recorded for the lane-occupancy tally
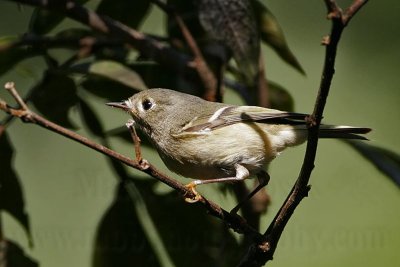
(351, 217)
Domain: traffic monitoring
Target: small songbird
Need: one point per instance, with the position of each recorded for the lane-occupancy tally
(217, 142)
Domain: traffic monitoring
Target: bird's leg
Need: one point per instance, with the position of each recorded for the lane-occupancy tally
(263, 179)
(241, 174)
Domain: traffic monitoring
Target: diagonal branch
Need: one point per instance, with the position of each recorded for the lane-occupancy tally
(146, 45)
(212, 92)
(261, 252)
(234, 221)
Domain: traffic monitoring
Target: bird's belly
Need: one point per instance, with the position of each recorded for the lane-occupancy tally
(214, 154)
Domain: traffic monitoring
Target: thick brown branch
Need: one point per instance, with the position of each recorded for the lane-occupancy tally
(234, 221)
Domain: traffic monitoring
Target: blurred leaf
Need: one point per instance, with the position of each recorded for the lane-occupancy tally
(155, 75)
(130, 12)
(74, 33)
(184, 229)
(43, 21)
(107, 89)
(8, 40)
(10, 56)
(11, 195)
(147, 224)
(91, 119)
(120, 239)
(279, 97)
(187, 10)
(54, 96)
(272, 34)
(233, 23)
(388, 162)
(123, 133)
(12, 255)
(114, 71)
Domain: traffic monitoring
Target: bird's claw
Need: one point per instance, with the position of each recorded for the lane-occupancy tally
(197, 197)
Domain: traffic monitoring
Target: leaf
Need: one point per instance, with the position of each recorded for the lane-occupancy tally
(54, 96)
(73, 33)
(123, 133)
(120, 238)
(191, 238)
(188, 12)
(43, 21)
(91, 119)
(279, 97)
(115, 71)
(233, 23)
(107, 89)
(272, 34)
(11, 195)
(129, 12)
(10, 55)
(386, 161)
(155, 75)
(12, 255)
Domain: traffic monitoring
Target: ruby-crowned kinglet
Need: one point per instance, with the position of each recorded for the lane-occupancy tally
(217, 142)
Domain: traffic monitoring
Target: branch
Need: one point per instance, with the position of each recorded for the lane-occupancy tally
(208, 78)
(234, 221)
(146, 45)
(263, 251)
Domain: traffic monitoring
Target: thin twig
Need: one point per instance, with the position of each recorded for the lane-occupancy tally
(136, 140)
(206, 75)
(234, 221)
(261, 252)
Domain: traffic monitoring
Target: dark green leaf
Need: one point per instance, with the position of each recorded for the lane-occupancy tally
(233, 23)
(107, 89)
(91, 119)
(272, 34)
(155, 75)
(12, 255)
(183, 229)
(120, 239)
(43, 21)
(188, 12)
(118, 72)
(113, 71)
(388, 162)
(129, 12)
(11, 195)
(279, 97)
(54, 96)
(73, 33)
(10, 56)
(123, 133)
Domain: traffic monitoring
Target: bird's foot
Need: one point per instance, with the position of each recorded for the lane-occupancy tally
(192, 187)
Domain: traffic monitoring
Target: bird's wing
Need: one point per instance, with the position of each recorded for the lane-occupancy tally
(229, 115)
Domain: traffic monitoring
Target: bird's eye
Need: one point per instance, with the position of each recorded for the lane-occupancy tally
(147, 104)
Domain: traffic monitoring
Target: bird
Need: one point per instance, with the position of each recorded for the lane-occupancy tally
(217, 142)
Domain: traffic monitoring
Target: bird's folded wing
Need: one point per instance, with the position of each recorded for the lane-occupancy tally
(229, 115)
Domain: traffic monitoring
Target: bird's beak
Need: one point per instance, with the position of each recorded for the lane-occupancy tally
(121, 105)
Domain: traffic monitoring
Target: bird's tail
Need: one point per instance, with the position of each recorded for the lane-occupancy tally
(343, 132)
